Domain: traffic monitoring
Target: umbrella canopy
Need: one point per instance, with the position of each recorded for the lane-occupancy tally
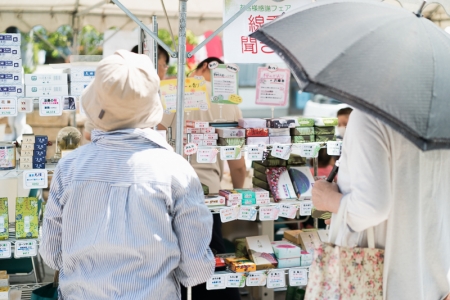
(376, 57)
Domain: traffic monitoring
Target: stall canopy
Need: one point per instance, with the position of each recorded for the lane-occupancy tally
(202, 15)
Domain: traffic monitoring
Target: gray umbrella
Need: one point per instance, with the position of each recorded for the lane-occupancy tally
(376, 57)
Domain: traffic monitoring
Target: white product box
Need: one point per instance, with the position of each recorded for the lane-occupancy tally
(11, 65)
(82, 73)
(211, 136)
(10, 78)
(208, 130)
(44, 79)
(46, 90)
(77, 87)
(10, 39)
(11, 91)
(192, 130)
(12, 52)
(209, 143)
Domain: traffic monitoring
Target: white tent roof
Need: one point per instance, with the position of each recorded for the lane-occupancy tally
(51, 14)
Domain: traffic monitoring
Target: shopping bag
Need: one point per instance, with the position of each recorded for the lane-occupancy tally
(47, 292)
(344, 273)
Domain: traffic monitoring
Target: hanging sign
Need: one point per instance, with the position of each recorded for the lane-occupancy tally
(281, 151)
(190, 149)
(268, 213)
(305, 207)
(255, 153)
(238, 46)
(8, 106)
(224, 85)
(309, 150)
(272, 86)
(288, 211)
(229, 214)
(195, 95)
(247, 213)
(256, 279)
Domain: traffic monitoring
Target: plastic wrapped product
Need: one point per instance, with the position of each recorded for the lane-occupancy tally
(196, 124)
(328, 130)
(303, 139)
(280, 123)
(279, 131)
(324, 122)
(296, 160)
(280, 139)
(325, 138)
(252, 123)
(260, 175)
(258, 140)
(256, 132)
(27, 225)
(205, 189)
(259, 183)
(231, 141)
(304, 122)
(280, 184)
(230, 132)
(302, 131)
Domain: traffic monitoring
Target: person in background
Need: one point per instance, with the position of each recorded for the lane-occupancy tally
(211, 174)
(163, 60)
(343, 115)
(126, 218)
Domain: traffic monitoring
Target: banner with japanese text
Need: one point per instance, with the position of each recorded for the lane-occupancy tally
(195, 95)
(238, 46)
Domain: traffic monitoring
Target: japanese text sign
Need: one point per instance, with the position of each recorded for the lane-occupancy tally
(195, 94)
(272, 87)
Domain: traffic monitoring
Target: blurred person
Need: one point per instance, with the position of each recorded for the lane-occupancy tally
(387, 183)
(343, 115)
(163, 60)
(126, 218)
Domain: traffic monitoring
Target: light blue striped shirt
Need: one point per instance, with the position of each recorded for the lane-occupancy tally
(126, 219)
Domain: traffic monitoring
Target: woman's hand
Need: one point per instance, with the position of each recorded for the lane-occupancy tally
(326, 196)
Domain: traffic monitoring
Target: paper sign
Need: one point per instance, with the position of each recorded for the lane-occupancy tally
(217, 282)
(230, 153)
(268, 213)
(288, 211)
(235, 280)
(25, 105)
(207, 156)
(213, 64)
(256, 279)
(334, 148)
(229, 214)
(276, 279)
(35, 179)
(272, 86)
(247, 213)
(5, 249)
(195, 95)
(281, 151)
(224, 85)
(190, 149)
(255, 153)
(25, 248)
(305, 207)
(50, 106)
(298, 277)
(8, 106)
(309, 150)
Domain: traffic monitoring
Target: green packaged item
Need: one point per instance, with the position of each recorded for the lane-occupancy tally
(258, 166)
(271, 162)
(325, 138)
(302, 131)
(303, 139)
(246, 194)
(26, 218)
(304, 122)
(261, 184)
(296, 160)
(248, 201)
(241, 248)
(4, 221)
(260, 176)
(231, 141)
(323, 122)
(328, 130)
(205, 189)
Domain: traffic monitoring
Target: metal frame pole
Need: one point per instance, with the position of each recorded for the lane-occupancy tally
(181, 76)
(316, 171)
(155, 43)
(141, 41)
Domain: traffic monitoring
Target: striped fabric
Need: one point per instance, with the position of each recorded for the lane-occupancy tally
(126, 219)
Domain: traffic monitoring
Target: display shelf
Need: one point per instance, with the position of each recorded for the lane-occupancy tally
(27, 289)
(8, 247)
(50, 167)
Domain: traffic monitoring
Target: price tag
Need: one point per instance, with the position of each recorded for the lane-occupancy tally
(281, 151)
(276, 279)
(247, 213)
(288, 211)
(233, 68)
(203, 106)
(298, 277)
(305, 207)
(50, 106)
(255, 153)
(309, 150)
(8, 106)
(33, 179)
(235, 280)
(217, 282)
(5, 249)
(190, 149)
(229, 214)
(207, 156)
(334, 148)
(272, 68)
(213, 65)
(230, 153)
(256, 279)
(25, 248)
(25, 105)
(268, 213)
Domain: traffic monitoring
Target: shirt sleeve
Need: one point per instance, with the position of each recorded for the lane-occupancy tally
(192, 222)
(368, 162)
(50, 247)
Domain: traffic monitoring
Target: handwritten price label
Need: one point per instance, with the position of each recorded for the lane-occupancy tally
(207, 156)
(269, 213)
(50, 106)
(229, 214)
(255, 153)
(235, 280)
(305, 207)
(334, 148)
(298, 277)
(281, 151)
(288, 211)
(25, 248)
(276, 279)
(247, 213)
(8, 106)
(190, 149)
(256, 279)
(309, 150)
(33, 179)
(230, 153)
(5, 249)
(25, 105)
(217, 282)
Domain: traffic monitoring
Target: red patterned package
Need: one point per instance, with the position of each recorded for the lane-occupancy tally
(256, 132)
(280, 184)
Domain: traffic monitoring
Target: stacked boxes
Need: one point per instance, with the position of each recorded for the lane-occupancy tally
(11, 72)
(34, 150)
(260, 252)
(255, 196)
(4, 285)
(256, 131)
(324, 129)
(80, 77)
(43, 85)
(201, 133)
(303, 132)
(287, 254)
(230, 136)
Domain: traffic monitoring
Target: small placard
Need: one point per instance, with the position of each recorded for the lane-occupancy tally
(256, 279)
(334, 148)
(203, 106)
(50, 106)
(268, 213)
(190, 149)
(5, 249)
(255, 153)
(213, 65)
(233, 68)
(35, 179)
(305, 207)
(298, 277)
(235, 280)
(276, 279)
(25, 105)
(281, 151)
(217, 282)
(309, 150)
(8, 106)
(247, 213)
(288, 211)
(230, 153)
(229, 214)
(25, 248)
(207, 156)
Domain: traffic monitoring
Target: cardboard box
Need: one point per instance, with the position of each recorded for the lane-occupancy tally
(41, 140)
(302, 182)
(258, 140)
(285, 249)
(323, 235)
(246, 194)
(27, 225)
(280, 183)
(280, 140)
(38, 165)
(77, 88)
(46, 90)
(8, 77)
(259, 183)
(214, 200)
(324, 122)
(25, 166)
(230, 132)
(304, 122)
(240, 265)
(306, 259)
(328, 130)
(289, 262)
(11, 91)
(249, 201)
(302, 131)
(11, 52)
(192, 130)
(260, 176)
(324, 138)
(303, 139)
(46, 79)
(307, 239)
(11, 65)
(36, 160)
(256, 132)
(261, 201)
(210, 136)
(208, 143)
(28, 138)
(260, 252)
(4, 220)
(231, 195)
(231, 141)
(279, 132)
(10, 39)
(196, 124)
(252, 123)
(40, 147)
(280, 123)
(260, 193)
(26, 153)
(4, 280)
(82, 73)
(4, 293)
(26, 159)
(208, 130)
(39, 153)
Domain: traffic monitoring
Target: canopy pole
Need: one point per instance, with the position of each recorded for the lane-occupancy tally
(155, 48)
(181, 76)
(87, 10)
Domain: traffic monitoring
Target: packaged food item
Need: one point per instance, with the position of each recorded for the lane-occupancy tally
(10, 52)
(261, 201)
(195, 136)
(208, 142)
(11, 65)
(36, 160)
(302, 181)
(39, 153)
(323, 235)
(248, 201)
(325, 138)
(256, 132)
(241, 265)
(38, 165)
(246, 194)
(27, 225)
(196, 124)
(303, 139)
(272, 162)
(260, 183)
(289, 262)
(4, 219)
(193, 130)
(279, 131)
(77, 88)
(46, 79)
(302, 131)
(230, 132)
(324, 122)
(10, 77)
(220, 264)
(7, 156)
(4, 280)
(260, 175)
(214, 200)
(260, 252)
(210, 136)
(82, 73)
(10, 39)
(231, 194)
(41, 140)
(260, 193)
(240, 248)
(328, 130)
(208, 130)
(304, 122)
(28, 138)
(231, 141)
(308, 239)
(280, 123)
(205, 189)
(296, 160)
(280, 140)
(280, 184)
(46, 90)
(252, 123)
(285, 249)
(4, 293)
(11, 90)
(26, 153)
(258, 140)
(306, 259)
